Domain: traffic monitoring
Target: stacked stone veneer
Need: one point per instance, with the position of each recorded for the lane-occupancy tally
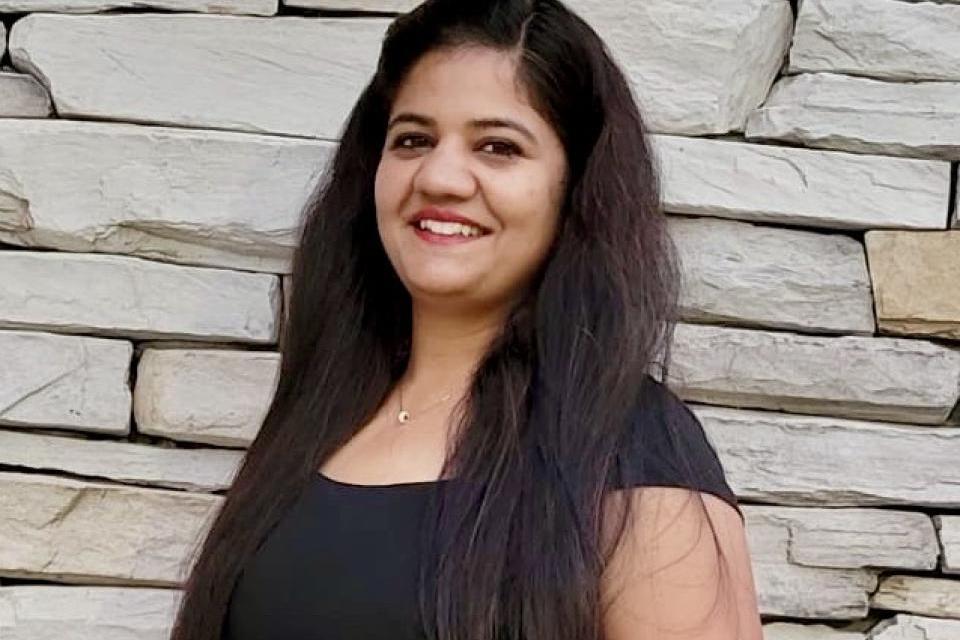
(153, 166)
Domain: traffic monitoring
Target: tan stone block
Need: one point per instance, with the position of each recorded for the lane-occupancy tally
(921, 595)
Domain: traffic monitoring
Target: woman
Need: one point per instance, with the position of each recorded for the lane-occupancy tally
(465, 421)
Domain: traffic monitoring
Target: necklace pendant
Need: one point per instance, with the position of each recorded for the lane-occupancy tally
(403, 416)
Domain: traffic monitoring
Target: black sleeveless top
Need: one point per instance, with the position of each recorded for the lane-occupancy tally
(342, 564)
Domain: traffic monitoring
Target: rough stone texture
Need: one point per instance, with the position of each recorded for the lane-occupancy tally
(253, 7)
(191, 469)
(806, 460)
(916, 281)
(937, 597)
(690, 78)
(64, 382)
(887, 39)
(792, 631)
(68, 531)
(396, 6)
(86, 613)
(211, 396)
(752, 275)
(907, 627)
(287, 74)
(21, 96)
(788, 589)
(895, 379)
(834, 111)
(194, 197)
(119, 295)
(948, 529)
(788, 185)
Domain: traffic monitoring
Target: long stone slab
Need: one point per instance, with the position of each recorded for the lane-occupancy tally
(762, 276)
(93, 533)
(833, 111)
(389, 6)
(887, 39)
(891, 379)
(64, 382)
(689, 79)
(788, 589)
(921, 595)
(789, 185)
(252, 7)
(124, 296)
(811, 460)
(41, 612)
(948, 529)
(916, 281)
(286, 75)
(903, 626)
(212, 396)
(794, 631)
(21, 96)
(190, 469)
(211, 198)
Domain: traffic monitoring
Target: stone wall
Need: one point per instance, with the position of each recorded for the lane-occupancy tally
(154, 159)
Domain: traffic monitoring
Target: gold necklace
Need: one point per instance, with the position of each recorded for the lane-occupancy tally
(403, 416)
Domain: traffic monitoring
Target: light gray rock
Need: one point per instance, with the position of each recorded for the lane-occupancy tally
(921, 595)
(397, 6)
(123, 296)
(35, 612)
(753, 275)
(21, 96)
(907, 627)
(64, 382)
(805, 460)
(212, 396)
(948, 528)
(887, 39)
(254, 7)
(288, 74)
(690, 79)
(789, 185)
(788, 589)
(833, 111)
(191, 469)
(793, 631)
(93, 533)
(895, 379)
(193, 197)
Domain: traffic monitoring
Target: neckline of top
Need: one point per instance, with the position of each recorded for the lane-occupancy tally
(374, 487)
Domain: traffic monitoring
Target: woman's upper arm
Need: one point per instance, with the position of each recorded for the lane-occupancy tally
(670, 580)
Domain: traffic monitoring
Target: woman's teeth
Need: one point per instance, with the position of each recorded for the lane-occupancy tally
(449, 228)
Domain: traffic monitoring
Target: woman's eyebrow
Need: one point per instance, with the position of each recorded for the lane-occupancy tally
(481, 123)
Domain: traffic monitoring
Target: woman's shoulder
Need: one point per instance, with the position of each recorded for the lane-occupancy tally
(667, 445)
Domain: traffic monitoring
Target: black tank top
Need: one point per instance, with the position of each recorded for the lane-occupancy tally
(342, 564)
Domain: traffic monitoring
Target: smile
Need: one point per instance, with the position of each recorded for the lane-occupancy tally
(444, 233)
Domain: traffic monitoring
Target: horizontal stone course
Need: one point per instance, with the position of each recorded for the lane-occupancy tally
(887, 39)
(21, 96)
(752, 275)
(789, 185)
(909, 627)
(794, 631)
(94, 533)
(191, 469)
(64, 382)
(124, 296)
(863, 115)
(922, 595)
(890, 379)
(948, 529)
(916, 281)
(794, 459)
(398, 6)
(253, 7)
(42, 612)
(216, 397)
(211, 198)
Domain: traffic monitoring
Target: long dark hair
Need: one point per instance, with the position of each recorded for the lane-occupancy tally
(515, 546)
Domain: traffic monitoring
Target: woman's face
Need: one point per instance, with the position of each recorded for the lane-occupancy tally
(463, 142)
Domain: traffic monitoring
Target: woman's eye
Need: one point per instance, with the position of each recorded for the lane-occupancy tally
(502, 148)
(400, 142)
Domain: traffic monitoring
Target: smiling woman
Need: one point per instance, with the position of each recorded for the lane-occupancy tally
(465, 421)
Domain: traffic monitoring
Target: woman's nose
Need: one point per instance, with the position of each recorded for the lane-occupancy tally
(445, 172)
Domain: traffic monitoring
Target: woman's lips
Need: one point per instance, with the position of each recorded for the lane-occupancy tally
(439, 239)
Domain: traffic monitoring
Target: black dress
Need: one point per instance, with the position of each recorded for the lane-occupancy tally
(343, 562)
